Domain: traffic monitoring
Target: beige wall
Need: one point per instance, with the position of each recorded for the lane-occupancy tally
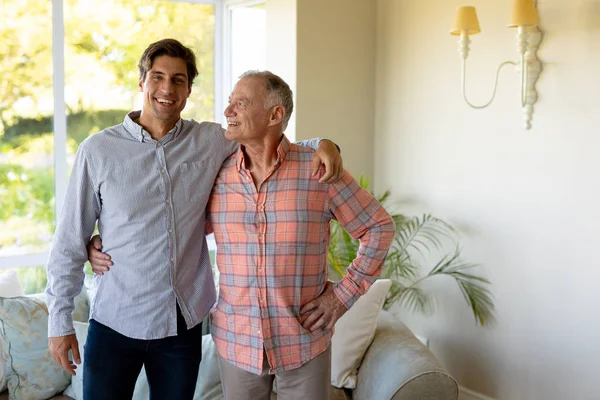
(336, 77)
(325, 50)
(281, 47)
(528, 200)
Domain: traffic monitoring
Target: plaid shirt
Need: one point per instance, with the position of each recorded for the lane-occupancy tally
(272, 256)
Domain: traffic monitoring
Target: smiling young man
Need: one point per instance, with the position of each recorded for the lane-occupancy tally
(146, 182)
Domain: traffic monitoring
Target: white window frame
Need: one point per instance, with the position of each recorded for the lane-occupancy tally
(226, 87)
(60, 117)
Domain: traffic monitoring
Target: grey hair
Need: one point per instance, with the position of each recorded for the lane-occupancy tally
(278, 92)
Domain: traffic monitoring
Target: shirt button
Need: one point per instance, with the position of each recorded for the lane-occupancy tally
(167, 201)
(258, 331)
(170, 230)
(261, 207)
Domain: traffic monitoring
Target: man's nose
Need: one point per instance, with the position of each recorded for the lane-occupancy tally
(228, 110)
(167, 86)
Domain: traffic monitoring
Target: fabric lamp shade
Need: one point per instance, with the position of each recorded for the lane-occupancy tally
(523, 13)
(466, 20)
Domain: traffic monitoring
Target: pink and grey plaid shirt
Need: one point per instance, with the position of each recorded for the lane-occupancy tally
(272, 256)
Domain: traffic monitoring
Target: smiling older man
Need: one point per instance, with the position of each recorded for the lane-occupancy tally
(276, 309)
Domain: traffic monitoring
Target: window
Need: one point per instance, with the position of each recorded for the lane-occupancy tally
(69, 69)
(246, 41)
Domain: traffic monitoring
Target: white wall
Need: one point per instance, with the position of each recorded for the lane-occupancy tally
(527, 200)
(281, 47)
(325, 50)
(335, 76)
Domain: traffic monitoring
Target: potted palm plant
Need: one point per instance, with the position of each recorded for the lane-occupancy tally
(417, 235)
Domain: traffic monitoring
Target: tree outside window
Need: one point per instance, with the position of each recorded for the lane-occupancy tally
(103, 41)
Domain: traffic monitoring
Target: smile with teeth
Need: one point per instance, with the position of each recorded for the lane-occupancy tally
(165, 101)
(232, 123)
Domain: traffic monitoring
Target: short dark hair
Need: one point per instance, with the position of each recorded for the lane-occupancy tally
(278, 92)
(171, 48)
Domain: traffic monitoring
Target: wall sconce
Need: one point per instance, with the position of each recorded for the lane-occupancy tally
(525, 18)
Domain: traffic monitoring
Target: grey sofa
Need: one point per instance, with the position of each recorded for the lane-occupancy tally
(397, 366)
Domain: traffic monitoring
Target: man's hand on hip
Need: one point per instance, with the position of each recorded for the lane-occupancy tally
(100, 261)
(59, 348)
(324, 311)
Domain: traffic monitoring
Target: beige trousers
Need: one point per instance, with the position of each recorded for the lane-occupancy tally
(310, 381)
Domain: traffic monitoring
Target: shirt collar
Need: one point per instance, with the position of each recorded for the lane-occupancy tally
(282, 151)
(140, 134)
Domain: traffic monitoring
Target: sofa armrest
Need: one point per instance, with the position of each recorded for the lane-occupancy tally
(397, 366)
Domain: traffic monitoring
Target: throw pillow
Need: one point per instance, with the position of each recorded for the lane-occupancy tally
(354, 332)
(208, 386)
(31, 371)
(10, 286)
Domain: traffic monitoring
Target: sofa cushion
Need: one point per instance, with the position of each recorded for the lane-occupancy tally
(82, 304)
(354, 333)
(10, 286)
(31, 371)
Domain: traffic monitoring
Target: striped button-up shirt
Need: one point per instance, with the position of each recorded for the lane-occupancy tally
(272, 256)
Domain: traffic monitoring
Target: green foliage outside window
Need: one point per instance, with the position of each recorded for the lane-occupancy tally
(103, 43)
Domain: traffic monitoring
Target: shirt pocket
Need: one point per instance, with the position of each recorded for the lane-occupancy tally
(198, 178)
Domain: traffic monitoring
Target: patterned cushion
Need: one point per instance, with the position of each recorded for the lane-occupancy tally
(31, 371)
(82, 305)
(10, 286)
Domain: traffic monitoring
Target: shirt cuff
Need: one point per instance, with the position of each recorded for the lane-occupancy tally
(60, 326)
(346, 292)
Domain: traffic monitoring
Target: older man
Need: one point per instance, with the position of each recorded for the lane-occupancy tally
(146, 182)
(276, 309)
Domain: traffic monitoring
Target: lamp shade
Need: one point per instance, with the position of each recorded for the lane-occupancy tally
(523, 13)
(466, 19)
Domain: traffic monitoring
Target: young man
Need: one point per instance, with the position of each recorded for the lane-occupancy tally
(146, 182)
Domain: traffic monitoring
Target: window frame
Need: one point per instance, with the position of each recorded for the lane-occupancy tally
(226, 82)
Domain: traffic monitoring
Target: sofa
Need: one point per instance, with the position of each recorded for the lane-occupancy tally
(374, 356)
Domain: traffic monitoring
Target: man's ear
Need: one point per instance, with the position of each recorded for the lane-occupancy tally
(189, 92)
(277, 115)
(141, 84)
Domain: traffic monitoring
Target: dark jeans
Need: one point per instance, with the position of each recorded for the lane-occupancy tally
(113, 363)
